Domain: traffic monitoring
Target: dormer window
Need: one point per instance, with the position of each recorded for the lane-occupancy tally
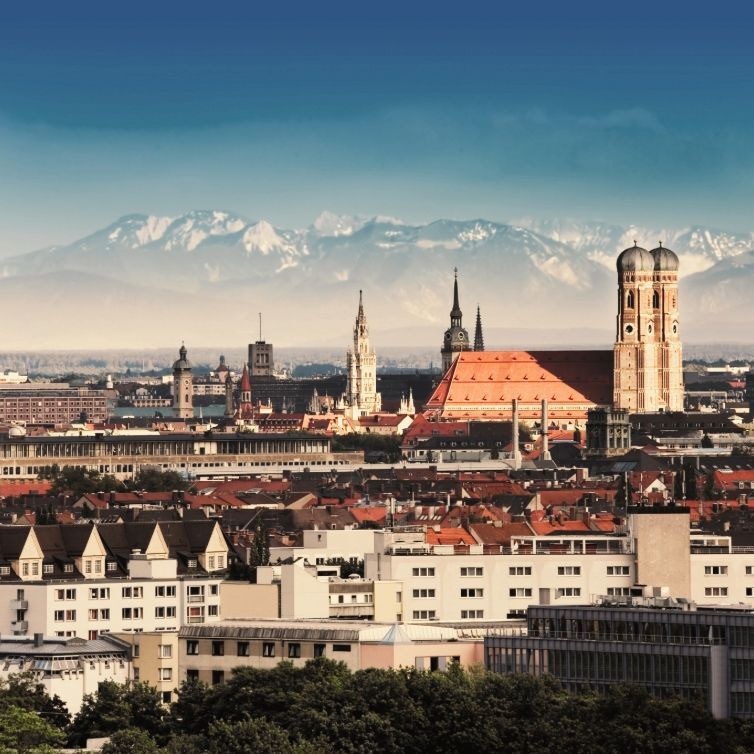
(192, 563)
(68, 568)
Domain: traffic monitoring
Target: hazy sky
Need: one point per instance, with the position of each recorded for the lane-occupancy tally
(633, 112)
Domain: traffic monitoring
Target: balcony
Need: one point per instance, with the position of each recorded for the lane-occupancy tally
(359, 610)
(194, 598)
(20, 626)
(19, 604)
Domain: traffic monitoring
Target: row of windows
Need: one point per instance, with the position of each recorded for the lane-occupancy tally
(568, 570)
(472, 614)
(269, 648)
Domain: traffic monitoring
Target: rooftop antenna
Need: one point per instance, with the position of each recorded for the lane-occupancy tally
(260, 327)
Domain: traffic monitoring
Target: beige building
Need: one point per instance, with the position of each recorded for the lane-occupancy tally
(154, 657)
(209, 654)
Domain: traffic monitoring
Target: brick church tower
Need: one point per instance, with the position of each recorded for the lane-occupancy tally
(648, 370)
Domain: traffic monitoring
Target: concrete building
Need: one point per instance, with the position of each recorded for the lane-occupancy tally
(53, 403)
(67, 668)
(121, 454)
(666, 646)
(210, 653)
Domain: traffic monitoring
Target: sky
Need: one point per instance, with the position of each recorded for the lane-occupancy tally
(629, 113)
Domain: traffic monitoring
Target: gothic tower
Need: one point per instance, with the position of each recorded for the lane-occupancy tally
(648, 373)
(183, 386)
(361, 365)
(456, 338)
(478, 337)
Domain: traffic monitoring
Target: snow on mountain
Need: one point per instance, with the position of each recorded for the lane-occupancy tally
(698, 248)
(532, 274)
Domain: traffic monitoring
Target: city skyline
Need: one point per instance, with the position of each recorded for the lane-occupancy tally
(628, 116)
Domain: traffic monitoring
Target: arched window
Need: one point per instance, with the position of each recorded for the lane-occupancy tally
(630, 300)
(655, 300)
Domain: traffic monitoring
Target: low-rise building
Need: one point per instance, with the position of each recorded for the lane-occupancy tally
(209, 654)
(69, 668)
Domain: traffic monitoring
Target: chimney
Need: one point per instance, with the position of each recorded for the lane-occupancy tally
(39, 640)
(545, 424)
(515, 439)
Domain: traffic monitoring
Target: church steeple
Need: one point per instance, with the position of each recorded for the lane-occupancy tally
(361, 366)
(456, 338)
(478, 338)
(455, 313)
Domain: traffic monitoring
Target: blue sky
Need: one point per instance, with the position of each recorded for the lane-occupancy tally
(639, 114)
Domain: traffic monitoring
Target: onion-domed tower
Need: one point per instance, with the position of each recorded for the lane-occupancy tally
(647, 355)
(665, 309)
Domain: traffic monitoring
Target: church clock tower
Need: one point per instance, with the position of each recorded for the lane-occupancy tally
(456, 338)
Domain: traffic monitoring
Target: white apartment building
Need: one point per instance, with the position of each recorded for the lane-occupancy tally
(322, 545)
(656, 554)
(84, 580)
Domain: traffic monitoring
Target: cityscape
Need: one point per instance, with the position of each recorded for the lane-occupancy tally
(381, 480)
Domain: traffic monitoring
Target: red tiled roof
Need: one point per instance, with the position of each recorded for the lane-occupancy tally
(482, 384)
(450, 536)
(13, 487)
(374, 514)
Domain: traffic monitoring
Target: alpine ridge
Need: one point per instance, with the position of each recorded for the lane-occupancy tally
(552, 276)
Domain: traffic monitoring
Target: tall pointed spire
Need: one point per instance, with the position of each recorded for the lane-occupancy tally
(456, 306)
(360, 315)
(478, 337)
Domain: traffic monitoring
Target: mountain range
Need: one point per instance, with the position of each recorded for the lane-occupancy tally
(203, 276)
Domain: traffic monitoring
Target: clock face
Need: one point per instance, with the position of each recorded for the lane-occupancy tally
(447, 335)
(460, 336)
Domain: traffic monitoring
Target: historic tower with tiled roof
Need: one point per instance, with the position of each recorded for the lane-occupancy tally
(361, 366)
(648, 371)
(456, 338)
(183, 386)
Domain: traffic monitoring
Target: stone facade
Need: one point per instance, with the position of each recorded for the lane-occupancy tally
(183, 389)
(456, 338)
(361, 365)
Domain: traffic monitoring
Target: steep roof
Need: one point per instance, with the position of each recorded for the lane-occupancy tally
(482, 384)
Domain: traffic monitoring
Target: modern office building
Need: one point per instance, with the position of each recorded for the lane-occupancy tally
(665, 645)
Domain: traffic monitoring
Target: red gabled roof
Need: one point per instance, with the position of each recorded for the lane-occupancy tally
(14, 487)
(376, 515)
(482, 384)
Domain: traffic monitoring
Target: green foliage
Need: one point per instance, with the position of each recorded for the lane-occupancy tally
(71, 480)
(385, 448)
(24, 731)
(131, 741)
(23, 691)
(115, 707)
(324, 707)
(154, 479)
(260, 547)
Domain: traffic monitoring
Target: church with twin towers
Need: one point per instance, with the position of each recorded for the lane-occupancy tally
(643, 372)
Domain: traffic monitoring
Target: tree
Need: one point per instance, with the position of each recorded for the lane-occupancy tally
(260, 547)
(76, 481)
(115, 707)
(24, 691)
(24, 731)
(253, 734)
(130, 741)
(154, 479)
